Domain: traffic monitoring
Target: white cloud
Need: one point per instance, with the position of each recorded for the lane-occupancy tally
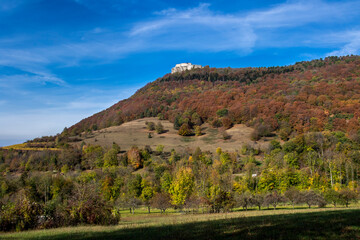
(194, 29)
(202, 29)
(297, 13)
(351, 41)
(21, 125)
(15, 81)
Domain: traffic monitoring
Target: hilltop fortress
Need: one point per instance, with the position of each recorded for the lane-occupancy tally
(183, 67)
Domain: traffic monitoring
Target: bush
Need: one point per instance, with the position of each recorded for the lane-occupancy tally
(185, 130)
(198, 131)
(150, 126)
(159, 128)
(87, 206)
(226, 122)
(260, 130)
(222, 112)
(21, 215)
(216, 123)
(159, 149)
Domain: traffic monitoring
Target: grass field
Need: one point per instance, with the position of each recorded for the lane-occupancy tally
(327, 223)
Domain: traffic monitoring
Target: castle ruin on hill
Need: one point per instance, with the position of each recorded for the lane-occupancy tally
(183, 67)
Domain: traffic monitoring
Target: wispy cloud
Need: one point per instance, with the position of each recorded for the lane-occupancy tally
(350, 41)
(193, 29)
(197, 27)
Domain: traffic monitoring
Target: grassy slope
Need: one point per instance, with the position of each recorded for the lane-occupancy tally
(280, 224)
(24, 146)
(135, 133)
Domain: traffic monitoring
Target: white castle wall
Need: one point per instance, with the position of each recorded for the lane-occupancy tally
(183, 67)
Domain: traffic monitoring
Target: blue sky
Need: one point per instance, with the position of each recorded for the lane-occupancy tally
(64, 60)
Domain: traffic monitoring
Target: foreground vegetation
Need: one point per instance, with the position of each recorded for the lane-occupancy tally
(90, 184)
(269, 224)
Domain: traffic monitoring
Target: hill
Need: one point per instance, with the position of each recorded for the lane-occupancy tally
(307, 96)
(222, 139)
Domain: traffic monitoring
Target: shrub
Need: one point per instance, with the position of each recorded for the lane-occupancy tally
(159, 148)
(216, 123)
(150, 126)
(222, 112)
(87, 206)
(21, 215)
(185, 130)
(198, 131)
(159, 128)
(226, 122)
(260, 130)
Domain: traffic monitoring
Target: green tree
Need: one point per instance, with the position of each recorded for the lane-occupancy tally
(147, 193)
(110, 158)
(332, 196)
(182, 187)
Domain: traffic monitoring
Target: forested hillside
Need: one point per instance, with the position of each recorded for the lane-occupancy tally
(307, 96)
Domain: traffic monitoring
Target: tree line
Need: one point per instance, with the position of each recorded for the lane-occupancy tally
(89, 184)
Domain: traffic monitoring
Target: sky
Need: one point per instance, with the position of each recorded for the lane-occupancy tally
(64, 60)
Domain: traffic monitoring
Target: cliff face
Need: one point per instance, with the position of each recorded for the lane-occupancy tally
(307, 96)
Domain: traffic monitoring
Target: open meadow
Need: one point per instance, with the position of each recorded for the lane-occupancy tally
(135, 133)
(284, 223)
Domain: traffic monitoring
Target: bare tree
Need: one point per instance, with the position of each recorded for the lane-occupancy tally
(274, 198)
(161, 201)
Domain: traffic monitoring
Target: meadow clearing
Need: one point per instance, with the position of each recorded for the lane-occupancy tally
(135, 133)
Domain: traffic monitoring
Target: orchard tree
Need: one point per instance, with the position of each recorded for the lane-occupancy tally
(273, 198)
(293, 195)
(161, 201)
(347, 196)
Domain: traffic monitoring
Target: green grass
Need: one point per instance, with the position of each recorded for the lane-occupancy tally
(211, 137)
(327, 223)
(187, 139)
